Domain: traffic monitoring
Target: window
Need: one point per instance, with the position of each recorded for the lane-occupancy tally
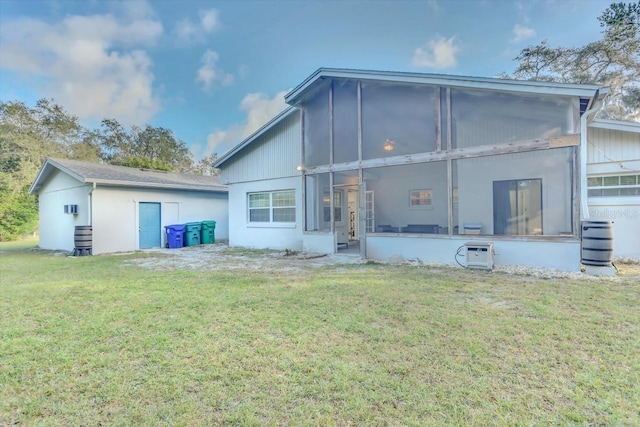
(421, 199)
(619, 185)
(517, 207)
(275, 206)
(337, 206)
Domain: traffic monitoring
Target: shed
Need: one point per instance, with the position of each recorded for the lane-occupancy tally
(126, 207)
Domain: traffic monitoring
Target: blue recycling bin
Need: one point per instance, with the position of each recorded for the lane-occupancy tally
(175, 235)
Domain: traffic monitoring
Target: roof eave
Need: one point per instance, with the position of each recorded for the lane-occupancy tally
(117, 183)
(46, 170)
(620, 125)
(524, 86)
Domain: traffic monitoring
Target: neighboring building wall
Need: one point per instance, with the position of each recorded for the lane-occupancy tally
(116, 220)
(611, 153)
(57, 228)
(270, 235)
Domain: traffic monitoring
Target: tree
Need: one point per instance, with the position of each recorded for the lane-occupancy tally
(148, 147)
(205, 166)
(613, 61)
(27, 137)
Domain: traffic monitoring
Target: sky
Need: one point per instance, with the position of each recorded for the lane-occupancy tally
(215, 71)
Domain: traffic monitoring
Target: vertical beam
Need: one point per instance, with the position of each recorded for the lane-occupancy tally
(575, 191)
(303, 194)
(449, 125)
(359, 98)
(331, 123)
(438, 119)
(450, 196)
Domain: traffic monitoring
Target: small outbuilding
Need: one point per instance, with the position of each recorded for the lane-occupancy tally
(127, 208)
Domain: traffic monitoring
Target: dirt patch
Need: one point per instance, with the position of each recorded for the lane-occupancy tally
(220, 256)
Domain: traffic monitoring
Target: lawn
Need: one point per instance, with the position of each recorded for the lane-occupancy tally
(101, 341)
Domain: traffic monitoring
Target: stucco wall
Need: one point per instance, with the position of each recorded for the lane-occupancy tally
(562, 254)
(57, 228)
(275, 236)
(115, 214)
(624, 212)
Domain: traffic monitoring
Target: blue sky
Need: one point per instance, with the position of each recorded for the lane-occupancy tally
(214, 72)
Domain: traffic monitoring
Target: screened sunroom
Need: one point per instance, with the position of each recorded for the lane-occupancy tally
(438, 158)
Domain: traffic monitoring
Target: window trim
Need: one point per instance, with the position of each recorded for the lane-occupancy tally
(591, 189)
(271, 209)
(421, 206)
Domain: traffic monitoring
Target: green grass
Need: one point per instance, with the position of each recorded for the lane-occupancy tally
(95, 341)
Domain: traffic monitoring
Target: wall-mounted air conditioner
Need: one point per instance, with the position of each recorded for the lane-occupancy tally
(479, 255)
(71, 209)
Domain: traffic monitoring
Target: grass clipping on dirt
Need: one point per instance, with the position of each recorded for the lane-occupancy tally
(99, 340)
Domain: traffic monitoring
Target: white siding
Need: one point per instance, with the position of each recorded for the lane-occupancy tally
(115, 214)
(275, 155)
(57, 228)
(609, 145)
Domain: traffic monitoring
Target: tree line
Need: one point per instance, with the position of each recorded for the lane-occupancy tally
(28, 135)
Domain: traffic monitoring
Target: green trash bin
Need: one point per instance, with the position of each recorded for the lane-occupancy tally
(208, 232)
(192, 233)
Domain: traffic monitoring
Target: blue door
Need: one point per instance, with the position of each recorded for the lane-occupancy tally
(149, 227)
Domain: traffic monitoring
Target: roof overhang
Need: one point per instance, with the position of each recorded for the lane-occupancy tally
(50, 165)
(519, 86)
(619, 125)
(287, 112)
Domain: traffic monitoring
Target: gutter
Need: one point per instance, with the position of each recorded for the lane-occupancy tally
(584, 206)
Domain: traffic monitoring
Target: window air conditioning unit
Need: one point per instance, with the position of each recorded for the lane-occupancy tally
(479, 255)
(71, 209)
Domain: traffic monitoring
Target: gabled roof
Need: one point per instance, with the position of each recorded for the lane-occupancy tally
(523, 86)
(110, 175)
(620, 125)
(257, 134)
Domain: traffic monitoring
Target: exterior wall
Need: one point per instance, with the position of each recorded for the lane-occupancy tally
(275, 236)
(607, 144)
(115, 214)
(275, 155)
(606, 149)
(561, 254)
(57, 228)
(624, 212)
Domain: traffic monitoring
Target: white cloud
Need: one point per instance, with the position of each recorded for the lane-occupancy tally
(259, 109)
(93, 65)
(440, 53)
(189, 31)
(210, 20)
(522, 33)
(209, 73)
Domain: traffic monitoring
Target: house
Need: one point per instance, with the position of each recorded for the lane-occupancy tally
(613, 180)
(392, 164)
(127, 208)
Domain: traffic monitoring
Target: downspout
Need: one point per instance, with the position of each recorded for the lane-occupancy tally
(90, 204)
(584, 206)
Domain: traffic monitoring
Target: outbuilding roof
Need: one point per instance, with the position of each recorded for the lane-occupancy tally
(122, 176)
(523, 86)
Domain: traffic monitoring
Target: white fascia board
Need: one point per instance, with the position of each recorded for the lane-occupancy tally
(620, 125)
(520, 86)
(115, 183)
(257, 134)
(46, 170)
